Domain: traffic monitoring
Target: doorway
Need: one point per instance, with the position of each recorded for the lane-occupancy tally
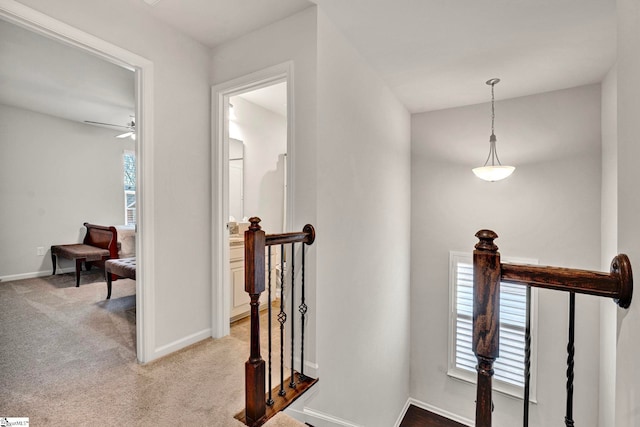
(257, 139)
(68, 36)
(252, 154)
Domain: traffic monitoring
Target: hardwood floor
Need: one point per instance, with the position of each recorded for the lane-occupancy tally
(417, 417)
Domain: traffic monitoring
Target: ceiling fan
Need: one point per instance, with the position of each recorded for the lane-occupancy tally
(130, 127)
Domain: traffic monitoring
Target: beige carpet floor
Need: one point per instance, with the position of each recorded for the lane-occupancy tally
(67, 358)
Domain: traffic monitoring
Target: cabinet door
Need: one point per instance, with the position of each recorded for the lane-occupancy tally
(240, 297)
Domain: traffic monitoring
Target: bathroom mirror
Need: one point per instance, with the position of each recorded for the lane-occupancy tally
(236, 179)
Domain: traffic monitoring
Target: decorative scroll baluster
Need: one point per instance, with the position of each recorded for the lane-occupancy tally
(282, 318)
(303, 311)
(486, 320)
(568, 419)
(527, 357)
(270, 398)
(292, 379)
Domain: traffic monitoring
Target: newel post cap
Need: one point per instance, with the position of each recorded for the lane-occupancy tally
(486, 238)
(255, 223)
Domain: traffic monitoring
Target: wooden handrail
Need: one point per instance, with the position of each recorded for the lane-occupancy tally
(618, 284)
(307, 235)
(488, 272)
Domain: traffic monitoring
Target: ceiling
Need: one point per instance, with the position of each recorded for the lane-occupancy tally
(437, 54)
(213, 22)
(43, 75)
(433, 54)
(272, 98)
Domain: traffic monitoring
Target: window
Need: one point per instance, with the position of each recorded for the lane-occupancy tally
(509, 367)
(129, 160)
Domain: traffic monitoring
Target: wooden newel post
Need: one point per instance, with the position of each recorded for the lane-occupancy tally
(254, 368)
(486, 319)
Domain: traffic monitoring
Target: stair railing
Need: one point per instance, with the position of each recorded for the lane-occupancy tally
(261, 405)
(488, 272)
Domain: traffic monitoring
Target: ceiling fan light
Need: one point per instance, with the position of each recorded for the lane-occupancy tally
(493, 173)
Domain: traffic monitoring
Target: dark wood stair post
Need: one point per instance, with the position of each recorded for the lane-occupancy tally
(254, 285)
(486, 319)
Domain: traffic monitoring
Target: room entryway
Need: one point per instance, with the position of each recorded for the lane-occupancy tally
(52, 205)
(252, 149)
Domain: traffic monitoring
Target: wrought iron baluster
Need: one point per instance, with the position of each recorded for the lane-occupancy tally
(282, 318)
(270, 399)
(527, 357)
(568, 419)
(292, 380)
(303, 312)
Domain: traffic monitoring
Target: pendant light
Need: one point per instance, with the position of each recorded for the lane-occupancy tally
(493, 169)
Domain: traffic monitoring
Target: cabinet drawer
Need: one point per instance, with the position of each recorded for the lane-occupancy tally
(236, 253)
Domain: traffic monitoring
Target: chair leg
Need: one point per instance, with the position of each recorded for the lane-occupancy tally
(54, 262)
(78, 268)
(108, 285)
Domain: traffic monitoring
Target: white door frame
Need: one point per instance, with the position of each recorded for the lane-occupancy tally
(40, 23)
(220, 94)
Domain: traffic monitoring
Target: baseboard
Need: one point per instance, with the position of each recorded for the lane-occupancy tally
(317, 418)
(301, 412)
(435, 410)
(35, 274)
(310, 368)
(180, 344)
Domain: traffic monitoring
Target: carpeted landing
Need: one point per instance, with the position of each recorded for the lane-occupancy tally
(67, 357)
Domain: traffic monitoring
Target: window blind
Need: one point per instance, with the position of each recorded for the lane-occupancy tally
(509, 367)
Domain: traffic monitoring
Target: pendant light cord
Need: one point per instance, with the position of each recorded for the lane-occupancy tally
(493, 111)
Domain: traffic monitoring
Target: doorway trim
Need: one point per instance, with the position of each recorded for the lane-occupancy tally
(220, 94)
(40, 23)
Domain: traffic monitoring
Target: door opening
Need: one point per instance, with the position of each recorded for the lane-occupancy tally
(252, 137)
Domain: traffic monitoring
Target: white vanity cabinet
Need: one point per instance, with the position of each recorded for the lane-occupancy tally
(239, 298)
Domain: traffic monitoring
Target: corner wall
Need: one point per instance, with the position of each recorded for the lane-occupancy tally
(548, 210)
(628, 321)
(609, 237)
(363, 238)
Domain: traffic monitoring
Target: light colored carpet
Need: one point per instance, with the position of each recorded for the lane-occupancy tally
(67, 357)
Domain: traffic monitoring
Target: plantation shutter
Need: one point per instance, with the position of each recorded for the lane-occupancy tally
(509, 367)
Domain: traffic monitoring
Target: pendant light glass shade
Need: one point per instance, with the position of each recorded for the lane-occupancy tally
(493, 170)
(493, 173)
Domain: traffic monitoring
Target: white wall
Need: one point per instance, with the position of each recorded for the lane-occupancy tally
(55, 175)
(264, 48)
(352, 182)
(628, 105)
(363, 239)
(181, 106)
(264, 134)
(609, 236)
(548, 209)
